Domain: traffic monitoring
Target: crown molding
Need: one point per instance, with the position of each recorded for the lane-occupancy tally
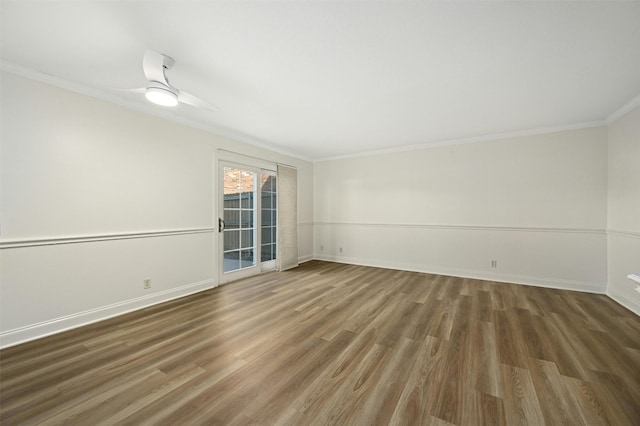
(256, 142)
(103, 95)
(474, 139)
(623, 110)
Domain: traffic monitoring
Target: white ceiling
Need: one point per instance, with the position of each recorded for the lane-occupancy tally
(321, 79)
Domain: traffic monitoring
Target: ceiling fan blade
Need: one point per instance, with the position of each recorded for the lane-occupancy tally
(154, 64)
(138, 90)
(192, 100)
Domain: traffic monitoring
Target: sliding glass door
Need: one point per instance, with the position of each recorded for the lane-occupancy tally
(268, 219)
(247, 222)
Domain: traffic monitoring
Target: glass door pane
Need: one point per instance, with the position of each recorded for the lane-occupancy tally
(239, 213)
(268, 217)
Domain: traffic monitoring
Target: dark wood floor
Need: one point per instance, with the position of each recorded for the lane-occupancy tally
(334, 344)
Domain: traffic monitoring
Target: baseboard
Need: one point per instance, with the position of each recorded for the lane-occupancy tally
(58, 325)
(588, 287)
(631, 305)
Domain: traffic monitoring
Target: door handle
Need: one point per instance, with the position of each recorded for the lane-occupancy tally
(220, 225)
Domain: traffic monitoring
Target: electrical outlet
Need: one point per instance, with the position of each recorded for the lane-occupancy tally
(321, 248)
(146, 283)
(340, 249)
(494, 263)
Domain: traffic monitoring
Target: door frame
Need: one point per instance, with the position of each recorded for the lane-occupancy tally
(259, 266)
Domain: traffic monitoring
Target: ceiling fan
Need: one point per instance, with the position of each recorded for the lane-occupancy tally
(159, 90)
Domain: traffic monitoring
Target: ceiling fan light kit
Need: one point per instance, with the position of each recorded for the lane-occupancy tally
(160, 94)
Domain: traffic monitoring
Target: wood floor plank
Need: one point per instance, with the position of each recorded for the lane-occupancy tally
(342, 407)
(175, 379)
(550, 388)
(420, 392)
(521, 404)
(380, 406)
(572, 361)
(487, 372)
(285, 391)
(590, 409)
(490, 411)
(329, 343)
(334, 376)
(620, 406)
(507, 332)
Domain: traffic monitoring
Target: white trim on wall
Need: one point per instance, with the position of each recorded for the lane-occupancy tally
(141, 107)
(560, 284)
(305, 229)
(631, 305)
(58, 325)
(75, 274)
(623, 249)
(474, 139)
(562, 258)
(75, 239)
(467, 227)
(251, 140)
(307, 258)
(239, 159)
(623, 110)
(624, 233)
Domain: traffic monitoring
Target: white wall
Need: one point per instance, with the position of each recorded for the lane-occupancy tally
(535, 204)
(77, 170)
(624, 209)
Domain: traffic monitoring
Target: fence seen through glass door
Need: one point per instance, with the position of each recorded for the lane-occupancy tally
(269, 210)
(239, 219)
